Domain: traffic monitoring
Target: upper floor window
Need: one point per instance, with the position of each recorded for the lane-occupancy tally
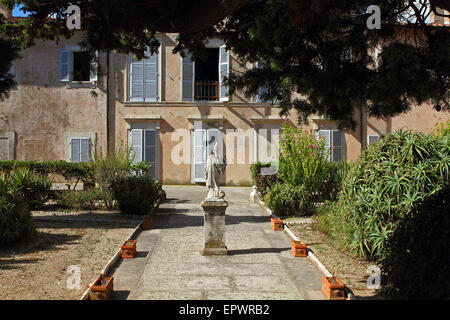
(203, 80)
(77, 65)
(143, 78)
(81, 66)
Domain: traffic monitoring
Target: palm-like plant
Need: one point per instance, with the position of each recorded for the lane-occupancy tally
(391, 177)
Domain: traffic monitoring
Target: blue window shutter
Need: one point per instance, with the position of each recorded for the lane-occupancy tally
(85, 150)
(150, 149)
(136, 145)
(75, 150)
(224, 70)
(337, 146)
(136, 80)
(151, 77)
(64, 65)
(187, 81)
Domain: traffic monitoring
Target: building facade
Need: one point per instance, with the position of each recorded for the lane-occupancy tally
(169, 110)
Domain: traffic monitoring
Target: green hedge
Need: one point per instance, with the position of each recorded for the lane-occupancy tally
(84, 171)
(69, 170)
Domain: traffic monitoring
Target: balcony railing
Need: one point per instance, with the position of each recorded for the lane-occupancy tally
(206, 91)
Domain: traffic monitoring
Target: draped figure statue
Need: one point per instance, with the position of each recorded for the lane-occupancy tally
(215, 167)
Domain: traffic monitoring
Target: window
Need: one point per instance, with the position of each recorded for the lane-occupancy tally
(144, 147)
(203, 80)
(76, 65)
(81, 66)
(334, 141)
(262, 91)
(372, 138)
(80, 150)
(143, 78)
(206, 72)
(267, 142)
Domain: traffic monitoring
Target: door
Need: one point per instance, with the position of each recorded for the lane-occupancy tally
(144, 145)
(204, 142)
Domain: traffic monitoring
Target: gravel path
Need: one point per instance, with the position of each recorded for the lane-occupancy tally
(38, 269)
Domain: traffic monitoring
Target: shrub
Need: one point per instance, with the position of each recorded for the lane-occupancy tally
(92, 198)
(383, 186)
(417, 265)
(287, 200)
(136, 194)
(302, 158)
(330, 187)
(264, 183)
(255, 169)
(114, 166)
(32, 189)
(16, 223)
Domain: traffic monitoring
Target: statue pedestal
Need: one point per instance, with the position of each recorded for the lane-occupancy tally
(214, 224)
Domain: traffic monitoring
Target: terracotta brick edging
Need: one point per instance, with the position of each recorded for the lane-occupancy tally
(311, 256)
(112, 262)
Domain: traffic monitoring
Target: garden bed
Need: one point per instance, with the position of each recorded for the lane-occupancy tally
(38, 269)
(350, 270)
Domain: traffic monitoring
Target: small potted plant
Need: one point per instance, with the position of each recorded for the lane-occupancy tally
(277, 224)
(333, 288)
(102, 288)
(128, 249)
(298, 249)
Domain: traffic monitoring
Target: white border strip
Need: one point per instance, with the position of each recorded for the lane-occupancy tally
(112, 261)
(311, 255)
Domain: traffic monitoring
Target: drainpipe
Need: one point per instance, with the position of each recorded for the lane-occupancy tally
(107, 102)
(361, 118)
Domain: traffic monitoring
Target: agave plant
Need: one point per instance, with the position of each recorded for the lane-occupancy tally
(391, 177)
(34, 190)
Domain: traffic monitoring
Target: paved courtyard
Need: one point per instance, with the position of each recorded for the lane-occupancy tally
(169, 263)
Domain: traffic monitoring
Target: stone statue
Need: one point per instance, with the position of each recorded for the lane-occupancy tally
(215, 167)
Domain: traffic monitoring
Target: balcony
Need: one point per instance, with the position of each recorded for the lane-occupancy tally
(206, 91)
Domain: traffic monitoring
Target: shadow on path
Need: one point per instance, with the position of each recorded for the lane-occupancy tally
(257, 250)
